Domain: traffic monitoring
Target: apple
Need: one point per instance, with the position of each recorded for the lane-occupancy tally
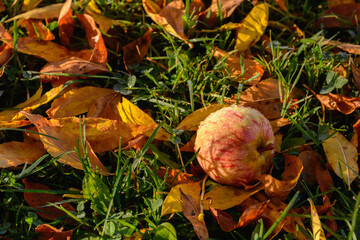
(236, 145)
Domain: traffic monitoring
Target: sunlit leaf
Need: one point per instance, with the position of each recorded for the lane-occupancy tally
(63, 142)
(47, 12)
(37, 30)
(37, 200)
(173, 202)
(227, 7)
(66, 23)
(5, 54)
(343, 104)
(16, 153)
(253, 27)
(342, 156)
(317, 230)
(47, 232)
(174, 176)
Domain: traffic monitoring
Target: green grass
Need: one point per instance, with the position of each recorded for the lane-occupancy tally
(129, 202)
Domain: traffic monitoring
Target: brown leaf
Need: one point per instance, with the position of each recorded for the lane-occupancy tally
(37, 200)
(94, 38)
(343, 104)
(76, 101)
(174, 176)
(309, 160)
(5, 54)
(356, 74)
(227, 8)
(29, 4)
(72, 65)
(290, 176)
(169, 16)
(2, 7)
(66, 23)
(189, 146)
(48, 232)
(135, 51)
(16, 153)
(251, 66)
(50, 11)
(57, 142)
(37, 30)
(105, 107)
(282, 4)
(250, 215)
(347, 47)
(323, 179)
(191, 211)
(345, 12)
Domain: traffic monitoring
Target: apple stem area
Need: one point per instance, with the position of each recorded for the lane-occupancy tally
(267, 148)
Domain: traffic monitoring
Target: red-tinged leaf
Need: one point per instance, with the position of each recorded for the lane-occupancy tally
(76, 101)
(249, 216)
(282, 4)
(66, 23)
(105, 107)
(57, 141)
(323, 179)
(343, 104)
(226, 10)
(72, 65)
(135, 51)
(356, 74)
(309, 159)
(16, 153)
(290, 176)
(189, 146)
(2, 7)
(37, 30)
(191, 211)
(48, 232)
(37, 200)
(174, 176)
(5, 54)
(344, 13)
(169, 16)
(251, 67)
(94, 38)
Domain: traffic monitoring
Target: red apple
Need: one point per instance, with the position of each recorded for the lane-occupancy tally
(236, 145)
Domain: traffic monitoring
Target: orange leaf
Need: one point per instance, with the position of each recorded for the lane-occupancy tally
(48, 232)
(94, 38)
(14, 124)
(16, 153)
(37, 200)
(189, 146)
(169, 17)
(50, 11)
(37, 30)
(66, 23)
(72, 65)
(347, 47)
(105, 107)
(135, 51)
(76, 101)
(2, 7)
(309, 159)
(227, 7)
(290, 176)
(174, 176)
(250, 215)
(5, 54)
(343, 104)
(191, 211)
(282, 4)
(251, 66)
(62, 142)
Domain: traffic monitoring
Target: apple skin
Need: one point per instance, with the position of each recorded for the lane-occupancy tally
(236, 145)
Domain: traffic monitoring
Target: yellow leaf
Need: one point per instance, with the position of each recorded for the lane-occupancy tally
(225, 197)
(76, 101)
(131, 113)
(192, 121)
(16, 153)
(14, 124)
(318, 232)
(173, 202)
(50, 11)
(253, 27)
(342, 156)
(29, 4)
(59, 142)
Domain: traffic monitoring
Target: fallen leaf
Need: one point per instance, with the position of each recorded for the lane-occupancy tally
(278, 142)
(249, 216)
(290, 176)
(169, 17)
(72, 65)
(189, 146)
(309, 159)
(106, 107)
(15, 153)
(48, 232)
(5, 54)
(94, 38)
(323, 179)
(225, 197)
(227, 7)
(254, 25)
(356, 75)
(333, 3)
(343, 104)
(251, 66)
(317, 230)
(192, 121)
(191, 211)
(38, 200)
(278, 123)
(174, 176)
(135, 51)
(173, 202)
(282, 4)
(66, 23)
(342, 156)
(50, 11)
(76, 101)
(265, 90)
(29, 4)
(14, 124)
(37, 30)
(2, 7)
(339, 16)
(347, 47)
(58, 142)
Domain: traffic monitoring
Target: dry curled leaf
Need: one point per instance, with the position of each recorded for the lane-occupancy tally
(343, 104)
(48, 232)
